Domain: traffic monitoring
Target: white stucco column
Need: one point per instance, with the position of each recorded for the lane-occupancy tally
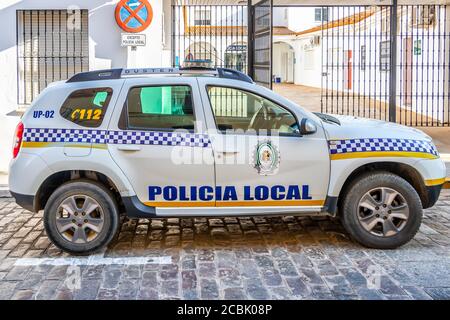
(132, 57)
(151, 55)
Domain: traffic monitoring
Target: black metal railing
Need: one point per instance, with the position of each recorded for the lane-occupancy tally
(423, 49)
(387, 62)
(356, 70)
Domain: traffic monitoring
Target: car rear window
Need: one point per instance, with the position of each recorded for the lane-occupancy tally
(87, 107)
(161, 108)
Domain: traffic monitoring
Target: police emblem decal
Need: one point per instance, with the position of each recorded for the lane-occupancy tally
(266, 158)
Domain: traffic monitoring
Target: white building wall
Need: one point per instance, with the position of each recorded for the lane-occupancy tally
(308, 63)
(301, 18)
(105, 50)
(277, 68)
(281, 16)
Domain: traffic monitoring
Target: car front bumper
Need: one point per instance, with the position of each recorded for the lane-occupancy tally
(433, 193)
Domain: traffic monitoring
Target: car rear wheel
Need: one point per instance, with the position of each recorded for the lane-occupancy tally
(81, 217)
(381, 210)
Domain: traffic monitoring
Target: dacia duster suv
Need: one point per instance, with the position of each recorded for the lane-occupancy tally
(176, 142)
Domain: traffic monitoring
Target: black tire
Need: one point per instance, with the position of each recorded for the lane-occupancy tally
(351, 210)
(106, 202)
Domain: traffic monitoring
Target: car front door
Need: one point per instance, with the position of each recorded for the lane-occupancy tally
(263, 163)
(155, 139)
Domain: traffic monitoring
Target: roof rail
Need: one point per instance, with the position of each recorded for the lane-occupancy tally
(111, 74)
(126, 73)
(180, 71)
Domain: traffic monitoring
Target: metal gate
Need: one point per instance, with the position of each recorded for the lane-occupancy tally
(220, 33)
(387, 62)
(210, 32)
(261, 38)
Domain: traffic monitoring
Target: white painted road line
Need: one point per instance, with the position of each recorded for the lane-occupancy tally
(92, 261)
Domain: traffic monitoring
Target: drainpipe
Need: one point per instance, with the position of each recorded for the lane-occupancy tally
(250, 38)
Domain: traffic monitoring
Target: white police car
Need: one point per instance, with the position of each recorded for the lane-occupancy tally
(209, 142)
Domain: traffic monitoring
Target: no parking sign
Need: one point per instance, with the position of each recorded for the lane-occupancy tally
(134, 15)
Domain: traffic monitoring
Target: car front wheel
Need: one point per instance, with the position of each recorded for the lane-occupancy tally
(81, 217)
(381, 210)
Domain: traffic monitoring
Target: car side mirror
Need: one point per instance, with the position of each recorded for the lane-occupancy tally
(307, 127)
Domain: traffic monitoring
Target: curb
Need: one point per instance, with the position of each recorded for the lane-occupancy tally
(5, 194)
(4, 191)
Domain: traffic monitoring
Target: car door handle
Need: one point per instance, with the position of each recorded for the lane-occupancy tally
(228, 152)
(129, 148)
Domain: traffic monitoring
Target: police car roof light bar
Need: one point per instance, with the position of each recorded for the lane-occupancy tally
(114, 74)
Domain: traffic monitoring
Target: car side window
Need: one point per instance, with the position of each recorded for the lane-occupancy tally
(87, 107)
(236, 109)
(161, 107)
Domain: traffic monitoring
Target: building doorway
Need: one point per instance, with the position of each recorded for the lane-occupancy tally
(283, 62)
(407, 71)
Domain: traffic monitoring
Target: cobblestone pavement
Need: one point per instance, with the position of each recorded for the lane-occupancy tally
(229, 258)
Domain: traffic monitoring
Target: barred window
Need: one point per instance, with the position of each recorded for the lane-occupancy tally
(321, 14)
(202, 17)
(52, 45)
(385, 55)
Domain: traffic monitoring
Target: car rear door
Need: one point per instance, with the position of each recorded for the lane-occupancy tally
(155, 137)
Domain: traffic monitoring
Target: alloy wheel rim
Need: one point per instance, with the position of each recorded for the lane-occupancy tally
(79, 219)
(383, 212)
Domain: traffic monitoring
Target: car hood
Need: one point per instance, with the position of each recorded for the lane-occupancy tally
(359, 128)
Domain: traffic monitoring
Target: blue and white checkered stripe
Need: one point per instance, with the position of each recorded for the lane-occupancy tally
(117, 137)
(381, 144)
(62, 135)
(158, 138)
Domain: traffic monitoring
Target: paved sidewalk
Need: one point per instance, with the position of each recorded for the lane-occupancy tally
(3, 178)
(230, 258)
(3, 182)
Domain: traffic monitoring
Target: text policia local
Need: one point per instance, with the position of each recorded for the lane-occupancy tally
(229, 193)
